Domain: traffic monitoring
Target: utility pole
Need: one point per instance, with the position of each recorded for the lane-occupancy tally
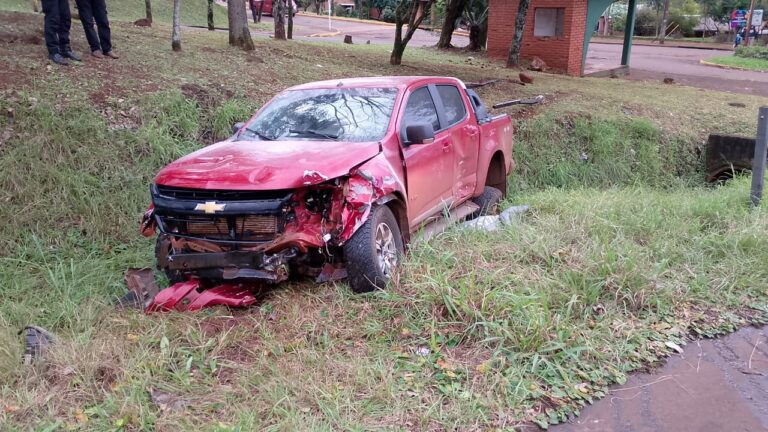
(749, 23)
(759, 160)
(664, 19)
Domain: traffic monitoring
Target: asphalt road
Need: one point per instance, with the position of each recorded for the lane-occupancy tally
(714, 385)
(317, 28)
(681, 64)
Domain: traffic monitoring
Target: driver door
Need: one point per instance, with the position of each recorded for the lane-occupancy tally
(429, 166)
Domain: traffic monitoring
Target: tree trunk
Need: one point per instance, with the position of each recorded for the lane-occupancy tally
(474, 38)
(414, 20)
(210, 16)
(278, 14)
(290, 18)
(317, 7)
(484, 33)
(176, 34)
(664, 18)
(514, 50)
(238, 25)
(148, 10)
(452, 13)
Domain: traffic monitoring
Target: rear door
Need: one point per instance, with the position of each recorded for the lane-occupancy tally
(429, 167)
(464, 136)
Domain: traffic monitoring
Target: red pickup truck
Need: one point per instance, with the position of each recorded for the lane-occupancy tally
(329, 178)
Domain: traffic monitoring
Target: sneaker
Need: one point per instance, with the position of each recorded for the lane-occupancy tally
(71, 55)
(111, 54)
(97, 54)
(58, 59)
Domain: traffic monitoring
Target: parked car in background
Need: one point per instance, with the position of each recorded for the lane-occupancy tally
(256, 4)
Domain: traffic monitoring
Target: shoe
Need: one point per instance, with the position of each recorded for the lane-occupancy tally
(97, 54)
(71, 55)
(58, 59)
(111, 54)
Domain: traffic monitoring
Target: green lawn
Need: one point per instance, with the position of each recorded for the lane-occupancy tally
(620, 253)
(741, 62)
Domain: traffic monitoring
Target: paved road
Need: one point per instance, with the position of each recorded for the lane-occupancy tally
(681, 64)
(316, 28)
(715, 385)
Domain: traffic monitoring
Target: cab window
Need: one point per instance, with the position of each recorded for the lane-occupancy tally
(421, 109)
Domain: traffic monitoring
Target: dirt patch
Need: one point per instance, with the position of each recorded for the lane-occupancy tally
(31, 39)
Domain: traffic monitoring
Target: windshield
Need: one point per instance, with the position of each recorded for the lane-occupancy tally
(343, 114)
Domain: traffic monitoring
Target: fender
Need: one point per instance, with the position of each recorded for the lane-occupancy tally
(370, 184)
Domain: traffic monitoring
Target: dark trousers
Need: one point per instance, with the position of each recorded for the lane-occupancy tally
(57, 23)
(95, 11)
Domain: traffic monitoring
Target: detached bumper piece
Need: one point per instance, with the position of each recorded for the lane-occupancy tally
(185, 296)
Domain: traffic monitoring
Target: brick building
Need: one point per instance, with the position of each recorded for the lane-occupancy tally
(557, 31)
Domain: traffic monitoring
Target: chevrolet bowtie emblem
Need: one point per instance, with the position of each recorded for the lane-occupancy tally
(210, 207)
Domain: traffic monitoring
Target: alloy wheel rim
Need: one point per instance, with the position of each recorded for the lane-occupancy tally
(386, 251)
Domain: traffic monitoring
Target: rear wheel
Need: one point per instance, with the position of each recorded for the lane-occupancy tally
(488, 201)
(374, 251)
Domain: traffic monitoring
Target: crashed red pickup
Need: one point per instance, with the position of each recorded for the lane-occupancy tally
(329, 179)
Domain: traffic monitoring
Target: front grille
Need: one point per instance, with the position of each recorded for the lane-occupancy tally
(221, 195)
(248, 228)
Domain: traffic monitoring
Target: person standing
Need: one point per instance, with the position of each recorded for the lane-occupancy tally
(58, 21)
(95, 11)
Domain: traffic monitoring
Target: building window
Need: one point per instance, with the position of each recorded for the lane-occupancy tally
(549, 22)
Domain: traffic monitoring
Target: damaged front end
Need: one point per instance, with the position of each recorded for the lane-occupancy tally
(235, 236)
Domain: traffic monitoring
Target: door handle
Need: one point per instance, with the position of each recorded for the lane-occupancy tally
(446, 147)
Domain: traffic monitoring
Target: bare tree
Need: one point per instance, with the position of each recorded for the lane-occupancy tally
(664, 19)
(514, 50)
(239, 35)
(414, 11)
(278, 13)
(176, 34)
(290, 18)
(211, 27)
(453, 11)
(148, 10)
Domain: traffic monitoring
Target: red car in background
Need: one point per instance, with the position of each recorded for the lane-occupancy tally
(256, 4)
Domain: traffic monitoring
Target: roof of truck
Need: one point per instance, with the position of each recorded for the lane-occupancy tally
(381, 81)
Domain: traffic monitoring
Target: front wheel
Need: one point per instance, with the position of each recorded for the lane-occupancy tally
(374, 251)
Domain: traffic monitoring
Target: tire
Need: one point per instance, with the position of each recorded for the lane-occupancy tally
(488, 202)
(368, 268)
(162, 251)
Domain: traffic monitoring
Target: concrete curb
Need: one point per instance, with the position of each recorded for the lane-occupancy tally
(706, 63)
(723, 47)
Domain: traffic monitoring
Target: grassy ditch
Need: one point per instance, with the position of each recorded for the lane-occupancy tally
(622, 252)
(755, 64)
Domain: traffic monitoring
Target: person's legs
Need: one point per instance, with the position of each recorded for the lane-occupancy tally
(65, 22)
(102, 23)
(51, 11)
(86, 17)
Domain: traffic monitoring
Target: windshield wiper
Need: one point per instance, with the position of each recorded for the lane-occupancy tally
(313, 132)
(260, 134)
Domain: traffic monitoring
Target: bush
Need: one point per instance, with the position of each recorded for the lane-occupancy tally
(685, 23)
(388, 14)
(646, 22)
(757, 52)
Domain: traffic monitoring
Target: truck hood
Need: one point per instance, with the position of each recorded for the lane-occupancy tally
(265, 165)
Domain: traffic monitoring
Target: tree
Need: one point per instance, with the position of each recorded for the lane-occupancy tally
(452, 13)
(210, 16)
(476, 14)
(148, 10)
(664, 18)
(414, 11)
(290, 18)
(176, 33)
(238, 25)
(514, 50)
(278, 12)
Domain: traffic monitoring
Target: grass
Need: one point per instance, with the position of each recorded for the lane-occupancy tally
(623, 251)
(755, 64)
(193, 12)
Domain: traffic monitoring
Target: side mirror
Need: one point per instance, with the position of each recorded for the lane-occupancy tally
(236, 127)
(419, 133)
